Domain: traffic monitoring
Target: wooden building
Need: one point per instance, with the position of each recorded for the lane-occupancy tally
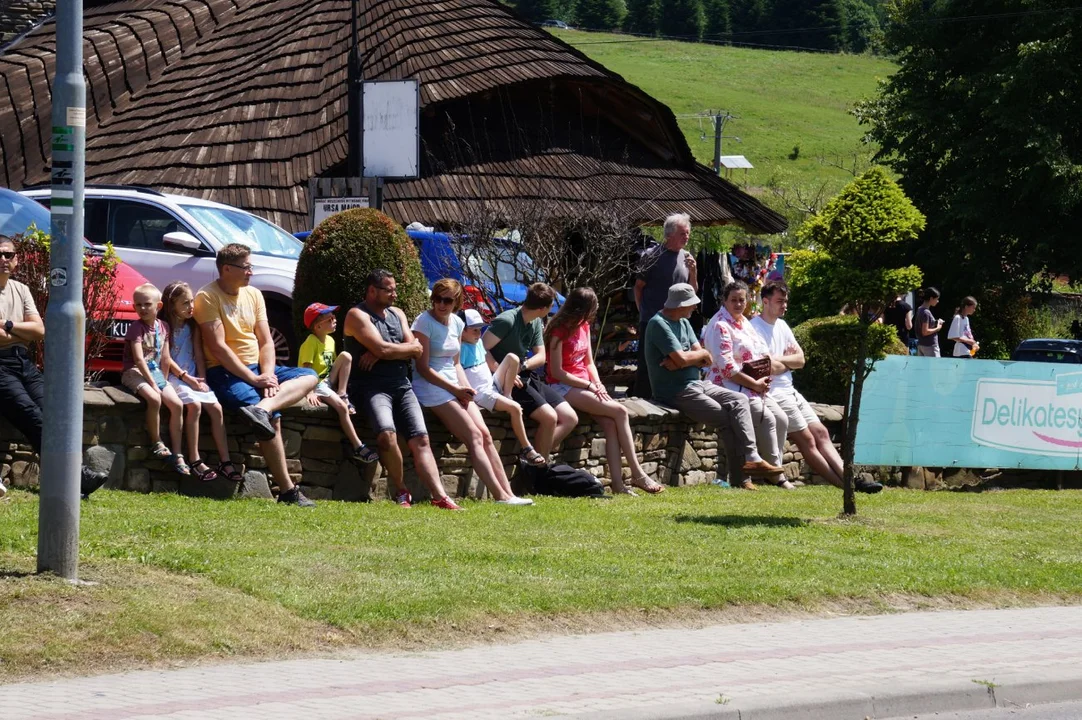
(243, 101)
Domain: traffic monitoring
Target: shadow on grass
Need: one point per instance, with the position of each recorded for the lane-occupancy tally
(737, 521)
(7, 574)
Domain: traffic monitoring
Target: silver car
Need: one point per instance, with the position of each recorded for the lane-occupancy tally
(173, 237)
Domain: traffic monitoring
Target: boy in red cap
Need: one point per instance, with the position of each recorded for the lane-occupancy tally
(318, 352)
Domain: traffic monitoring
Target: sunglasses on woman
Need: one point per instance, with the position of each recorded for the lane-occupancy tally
(441, 300)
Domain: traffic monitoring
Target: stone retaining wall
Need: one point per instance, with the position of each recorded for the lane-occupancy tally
(16, 16)
(672, 450)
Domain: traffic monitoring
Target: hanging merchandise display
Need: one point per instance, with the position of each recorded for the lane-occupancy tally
(754, 265)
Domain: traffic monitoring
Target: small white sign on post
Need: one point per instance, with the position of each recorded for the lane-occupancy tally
(392, 143)
(325, 207)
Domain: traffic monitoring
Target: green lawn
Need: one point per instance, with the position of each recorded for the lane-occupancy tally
(782, 99)
(192, 578)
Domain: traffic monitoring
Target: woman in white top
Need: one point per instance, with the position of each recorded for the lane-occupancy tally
(440, 384)
(733, 343)
(960, 332)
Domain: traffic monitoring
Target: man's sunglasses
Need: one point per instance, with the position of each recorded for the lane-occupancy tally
(7, 254)
(243, 268)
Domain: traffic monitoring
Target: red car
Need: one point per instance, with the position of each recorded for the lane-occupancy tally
(17, 213)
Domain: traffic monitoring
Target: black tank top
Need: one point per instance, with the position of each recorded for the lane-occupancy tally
(385, 374)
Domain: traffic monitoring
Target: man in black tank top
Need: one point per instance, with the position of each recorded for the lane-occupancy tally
(378, 337)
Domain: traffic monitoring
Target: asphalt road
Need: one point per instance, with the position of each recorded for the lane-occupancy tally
(1052, 711)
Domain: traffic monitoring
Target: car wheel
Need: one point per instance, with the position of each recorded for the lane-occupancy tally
(281, 328)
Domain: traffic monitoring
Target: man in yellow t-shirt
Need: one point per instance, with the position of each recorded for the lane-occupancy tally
(240, 361)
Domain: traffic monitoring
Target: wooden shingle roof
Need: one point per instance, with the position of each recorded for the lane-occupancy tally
(243, 101)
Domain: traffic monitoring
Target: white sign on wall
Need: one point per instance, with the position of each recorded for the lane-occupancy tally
(392, 143)
(323, 208)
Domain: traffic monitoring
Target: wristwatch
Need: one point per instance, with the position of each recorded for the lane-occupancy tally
(8, 326)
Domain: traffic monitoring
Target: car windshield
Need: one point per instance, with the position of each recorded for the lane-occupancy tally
(1052, 356)
(513, 264)
(230, 225)
(17, 213)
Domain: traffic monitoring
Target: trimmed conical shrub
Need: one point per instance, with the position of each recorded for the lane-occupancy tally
(340, 253)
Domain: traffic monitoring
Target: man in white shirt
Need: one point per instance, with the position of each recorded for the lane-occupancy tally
(805, 429)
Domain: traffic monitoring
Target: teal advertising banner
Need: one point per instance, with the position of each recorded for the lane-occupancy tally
(947, 412)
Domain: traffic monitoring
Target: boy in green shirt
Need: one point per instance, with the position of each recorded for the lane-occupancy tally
(318, 352)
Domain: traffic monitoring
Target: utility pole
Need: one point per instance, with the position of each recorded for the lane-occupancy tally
(720, 118)
(65, 318)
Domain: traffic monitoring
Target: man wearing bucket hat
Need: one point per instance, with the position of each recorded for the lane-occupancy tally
(318, 352)
(674, 358)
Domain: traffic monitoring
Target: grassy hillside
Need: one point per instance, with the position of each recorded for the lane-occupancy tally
(782, 99)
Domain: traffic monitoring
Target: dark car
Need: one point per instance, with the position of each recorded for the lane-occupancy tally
(556, 24)
(1049, 350)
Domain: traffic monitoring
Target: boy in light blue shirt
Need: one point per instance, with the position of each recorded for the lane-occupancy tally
(494, 388)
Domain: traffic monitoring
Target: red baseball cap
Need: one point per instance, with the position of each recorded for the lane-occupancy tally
(315, 311)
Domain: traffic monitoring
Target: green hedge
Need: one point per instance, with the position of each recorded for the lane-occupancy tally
(829, 344)
(340, 253)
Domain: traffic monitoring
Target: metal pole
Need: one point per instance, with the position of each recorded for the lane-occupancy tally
(718, 124)
(355, 97)
(65, 319)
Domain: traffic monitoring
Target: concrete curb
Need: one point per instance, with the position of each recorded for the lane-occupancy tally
(1016, 690)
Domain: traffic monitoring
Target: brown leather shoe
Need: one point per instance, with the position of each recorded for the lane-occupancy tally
(760, 469)
(748, 485)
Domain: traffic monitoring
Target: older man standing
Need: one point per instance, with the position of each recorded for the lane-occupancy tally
(661, 267)
(240, 361)
(22, 387)
(674, 356)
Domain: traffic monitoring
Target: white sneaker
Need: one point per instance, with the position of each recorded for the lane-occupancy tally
(3, 490)
(515, 501)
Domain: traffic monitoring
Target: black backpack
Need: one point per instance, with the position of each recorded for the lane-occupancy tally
(563, 481)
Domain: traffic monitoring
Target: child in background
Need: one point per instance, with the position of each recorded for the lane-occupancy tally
(146, 363)
(186, 373)
(494, 389)
(318, 352)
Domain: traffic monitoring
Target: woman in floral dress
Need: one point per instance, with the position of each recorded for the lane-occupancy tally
(733, 343)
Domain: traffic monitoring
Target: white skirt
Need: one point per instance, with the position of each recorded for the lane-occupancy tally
(188, 395)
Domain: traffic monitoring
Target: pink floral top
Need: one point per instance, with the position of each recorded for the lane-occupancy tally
(732, 342)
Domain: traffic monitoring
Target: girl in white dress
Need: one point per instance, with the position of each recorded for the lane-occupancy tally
(186, 376)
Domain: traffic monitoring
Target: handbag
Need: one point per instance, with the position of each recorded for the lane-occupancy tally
(757, 369)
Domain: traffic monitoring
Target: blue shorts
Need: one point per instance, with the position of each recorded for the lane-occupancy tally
(234, 393)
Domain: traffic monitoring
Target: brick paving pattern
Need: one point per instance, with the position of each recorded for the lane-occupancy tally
(757, 664)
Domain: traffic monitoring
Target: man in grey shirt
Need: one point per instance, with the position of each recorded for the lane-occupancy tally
(661, 267)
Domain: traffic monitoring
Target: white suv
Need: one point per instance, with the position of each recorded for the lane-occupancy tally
(173, 237)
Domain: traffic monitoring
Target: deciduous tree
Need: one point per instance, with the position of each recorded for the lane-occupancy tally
(600, 14)
(981, 121)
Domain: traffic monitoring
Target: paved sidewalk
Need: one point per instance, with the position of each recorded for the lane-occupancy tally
(849, 667)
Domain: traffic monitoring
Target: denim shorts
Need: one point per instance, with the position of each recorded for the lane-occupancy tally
(234, 393)
(394, 410)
